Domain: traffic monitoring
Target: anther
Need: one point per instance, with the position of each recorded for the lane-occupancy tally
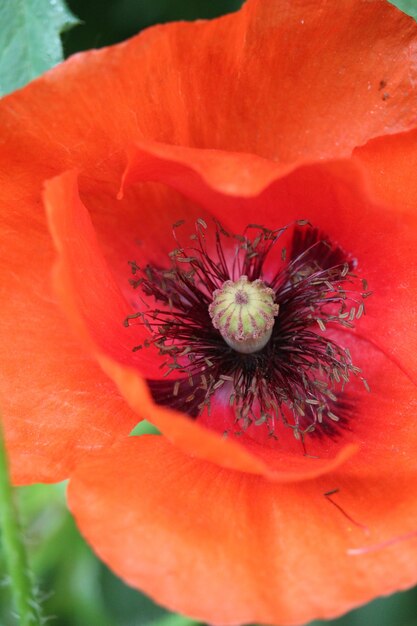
(243, 312)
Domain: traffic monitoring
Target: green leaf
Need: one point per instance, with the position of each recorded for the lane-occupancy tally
(144, 428)
(29, 39)
(407, 6)
(175, 620)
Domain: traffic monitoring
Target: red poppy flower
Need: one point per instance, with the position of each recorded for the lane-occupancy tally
(279, 113)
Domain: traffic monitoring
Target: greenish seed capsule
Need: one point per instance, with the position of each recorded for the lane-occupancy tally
(244, 313)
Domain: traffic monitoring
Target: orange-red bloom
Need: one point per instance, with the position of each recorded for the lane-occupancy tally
(280, 112)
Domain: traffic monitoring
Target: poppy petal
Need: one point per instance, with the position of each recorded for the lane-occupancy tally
(66, 118)
(378, 440)
(361, 68)
(56, 402)
(94, 298)
(390, 164)
(335, 196)
(88, 291)
(96, 309)
(198, 440)
(230, 548)
(84, 282)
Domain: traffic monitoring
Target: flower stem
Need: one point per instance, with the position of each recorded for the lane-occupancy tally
(26, 604)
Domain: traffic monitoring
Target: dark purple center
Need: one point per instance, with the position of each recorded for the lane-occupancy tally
(300, 376)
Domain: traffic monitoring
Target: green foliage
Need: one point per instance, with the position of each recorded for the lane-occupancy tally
(29, 39)
(408, 6)
(77, 589)
(105, 22)
(144, 428)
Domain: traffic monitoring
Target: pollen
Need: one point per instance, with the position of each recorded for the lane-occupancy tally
(234, 327)
(244, 312)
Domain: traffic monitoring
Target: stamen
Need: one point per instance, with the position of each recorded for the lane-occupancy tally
(262, 346)
(244, 313)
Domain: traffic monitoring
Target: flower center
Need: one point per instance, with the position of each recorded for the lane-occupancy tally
(244, 313)
(254, 334)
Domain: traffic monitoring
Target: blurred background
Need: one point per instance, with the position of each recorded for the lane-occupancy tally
(76, 589)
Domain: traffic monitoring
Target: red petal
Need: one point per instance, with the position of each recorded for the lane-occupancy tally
(88, 291)
(390, 164)
(193, 437)
(279, 79)
(96, 308)
(380, 428)
(84, 112)
(85, 282)
(57, 403)
(335, 197)
(228, 548)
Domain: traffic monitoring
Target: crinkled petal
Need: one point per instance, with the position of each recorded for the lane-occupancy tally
(96, 309)
(390, 164)
(57, 404)
(286, 80)
(197, 440)
(84, 281)
(337, 196)
(228, 548)
(378, 440)
(85, 112)
(88, 291)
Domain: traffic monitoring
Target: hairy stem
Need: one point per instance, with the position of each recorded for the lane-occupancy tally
(26, 604)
